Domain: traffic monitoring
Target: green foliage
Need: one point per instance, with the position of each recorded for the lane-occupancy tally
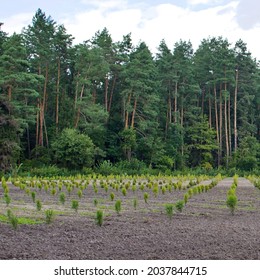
(38, 205)
(135, 203)
(49, 216)
(75, 205)
(232, 202)
(7, 199)
(169, 210)
(112, 196)
(99, 217)
(146, 196)
(12, 219)
(73, 150)
(62, 198)
(179, 205)
(118, 206)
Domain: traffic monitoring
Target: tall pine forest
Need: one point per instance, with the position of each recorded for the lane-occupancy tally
(116, 107)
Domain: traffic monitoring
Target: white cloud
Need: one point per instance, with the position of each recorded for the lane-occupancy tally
(197, 2)
(16, 22)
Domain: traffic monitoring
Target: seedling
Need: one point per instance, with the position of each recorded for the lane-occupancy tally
(38, 205)
(99, 217)
(13, 220)
(146, 196)
(80, 194)
(112, 196)
(7, 199)
(62, 198)
(232, 202)
(179, 205)
(49, 216)
(33, 196)
(118, 206)
(75, 205)
(95, 201)
(135, 203)
(124, 192)
(169, 210)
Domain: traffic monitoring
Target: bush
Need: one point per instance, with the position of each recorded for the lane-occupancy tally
(73, 150)
(169, 210)
(232, 202)
(179, 205)
(99, 217)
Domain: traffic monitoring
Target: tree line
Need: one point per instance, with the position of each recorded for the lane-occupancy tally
(105, 102)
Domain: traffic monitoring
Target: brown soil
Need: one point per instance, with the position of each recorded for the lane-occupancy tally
(204, 230)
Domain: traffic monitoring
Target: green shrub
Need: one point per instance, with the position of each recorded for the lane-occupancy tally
(124, 192)
(13, 221)
(95, 201)
(49, 216)
(146, 196)
(38, 205)
(135, 203)
(7, 199)
(112, 196)
(179, 205)
(169, 210)
(118, 206)
(75, 205)
(99, 217)
(33, 195)
(62, 198)
(232, 202)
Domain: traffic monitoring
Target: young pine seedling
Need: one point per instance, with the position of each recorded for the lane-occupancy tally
(179, 205)
(118, 206)
(146, 196)
(99, 217)
(49, 216)
(112, 196)
(75, 205)
(124, 192)
(7, 199)
(169, 210)
(38, 205)
(13, 220)
(232, 202)
(135, 203)
(62, 198)
(33, 195)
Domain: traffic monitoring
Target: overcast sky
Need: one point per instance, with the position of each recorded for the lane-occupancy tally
(149, 21)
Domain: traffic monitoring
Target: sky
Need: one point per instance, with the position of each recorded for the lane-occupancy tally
(148, 21)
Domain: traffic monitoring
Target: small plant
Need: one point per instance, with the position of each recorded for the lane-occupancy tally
(38, 205)
(118, 206)
(53, 191)
(124, 192)
(49, 216)
(179, 205)
(135, 203)
(13, 220)
(7, 199)
(163, 189)
(62, 198)
(232, 202)
(33, 195)
(95, 201)
(99, 217)
(112, 196)
(80, 194)
(169, 210)
(146, 196)
(155, 191)
(186, 198)
(75, 205)
(133, 188)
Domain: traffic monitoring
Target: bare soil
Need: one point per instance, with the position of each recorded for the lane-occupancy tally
(204, 230)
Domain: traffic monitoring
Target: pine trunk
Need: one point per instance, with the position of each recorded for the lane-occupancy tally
(235, 112)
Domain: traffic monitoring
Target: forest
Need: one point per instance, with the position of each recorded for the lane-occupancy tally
(113, 107)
